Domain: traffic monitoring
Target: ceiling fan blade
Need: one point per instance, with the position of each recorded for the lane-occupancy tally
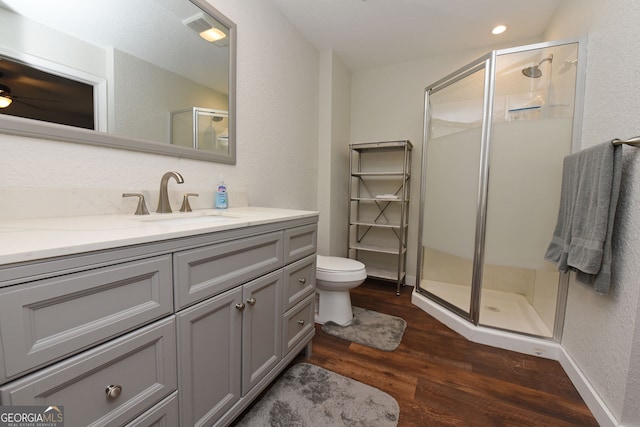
(29, 104)
(16, 97)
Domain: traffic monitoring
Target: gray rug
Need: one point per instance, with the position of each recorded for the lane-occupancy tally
(307, 395)
(370, 328)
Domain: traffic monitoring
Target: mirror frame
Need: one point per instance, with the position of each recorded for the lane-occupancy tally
(52, 131)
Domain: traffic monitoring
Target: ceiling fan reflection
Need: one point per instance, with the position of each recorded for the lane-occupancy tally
(7, 98)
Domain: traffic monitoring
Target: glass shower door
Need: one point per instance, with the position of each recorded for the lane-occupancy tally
(532, 132)
(450, 185)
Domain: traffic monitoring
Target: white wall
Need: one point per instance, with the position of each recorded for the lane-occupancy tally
(602, 333)
(277, 131)
(25, 36)
(333, 154)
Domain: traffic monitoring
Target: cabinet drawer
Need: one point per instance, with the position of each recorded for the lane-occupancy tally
(298, 323)
(300, 242)
(46, 320)
(142, 363)
(299, 281)
(203, 272)
(164, 414)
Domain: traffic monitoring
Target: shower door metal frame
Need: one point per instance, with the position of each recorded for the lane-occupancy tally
(488, 63)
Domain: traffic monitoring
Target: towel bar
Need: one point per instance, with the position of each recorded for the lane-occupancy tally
(635, 141)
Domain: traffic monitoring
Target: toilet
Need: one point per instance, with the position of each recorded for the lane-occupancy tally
(334, 277)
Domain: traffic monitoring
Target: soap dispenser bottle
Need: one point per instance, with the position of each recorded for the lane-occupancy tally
(221, 200)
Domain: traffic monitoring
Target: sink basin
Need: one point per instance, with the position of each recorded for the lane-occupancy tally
(188, 220)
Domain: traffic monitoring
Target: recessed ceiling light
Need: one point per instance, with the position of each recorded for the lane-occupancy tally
(499, 29)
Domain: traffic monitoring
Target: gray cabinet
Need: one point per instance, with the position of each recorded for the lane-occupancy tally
(227, 344)
(299, 281)
(164, 414)
(210, 358)
(298, 323)
(379, 190)
(261, 328)
(206, 271)
(185, 332)
(232, 342)
(300, 242)
(46, 320)
(107, 385)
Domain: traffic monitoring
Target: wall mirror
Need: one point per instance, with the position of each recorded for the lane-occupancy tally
(143, 62)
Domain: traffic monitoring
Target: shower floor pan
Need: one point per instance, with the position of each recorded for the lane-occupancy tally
(497, 309)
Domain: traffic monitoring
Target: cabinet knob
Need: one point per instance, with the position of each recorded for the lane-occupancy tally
(240, 306)
(302, 280)
(251, 301)
(300, 322)
(113, 391)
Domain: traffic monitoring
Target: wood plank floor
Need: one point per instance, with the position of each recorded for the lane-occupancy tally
(441, 379)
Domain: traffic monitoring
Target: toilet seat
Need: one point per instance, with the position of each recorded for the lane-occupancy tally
(337, 269)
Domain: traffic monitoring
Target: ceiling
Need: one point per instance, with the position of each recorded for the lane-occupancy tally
(371, 33)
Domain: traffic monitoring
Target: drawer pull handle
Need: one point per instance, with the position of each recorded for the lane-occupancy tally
(251, 301)
(113, 391)
(300, 322)
(302, 280)
(240, 306)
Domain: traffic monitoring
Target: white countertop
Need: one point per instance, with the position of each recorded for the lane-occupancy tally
(32, 239)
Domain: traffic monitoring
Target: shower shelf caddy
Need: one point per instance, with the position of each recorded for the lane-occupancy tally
(379, 188)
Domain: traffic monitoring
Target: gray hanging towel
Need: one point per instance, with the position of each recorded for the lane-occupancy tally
(589, 194)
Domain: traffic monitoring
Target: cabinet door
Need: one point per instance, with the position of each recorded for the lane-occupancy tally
(261, 328)
(209, 358)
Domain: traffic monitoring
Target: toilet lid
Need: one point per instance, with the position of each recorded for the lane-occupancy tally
(333, 263)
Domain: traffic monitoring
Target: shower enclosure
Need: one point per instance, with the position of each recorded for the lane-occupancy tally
(496, 132)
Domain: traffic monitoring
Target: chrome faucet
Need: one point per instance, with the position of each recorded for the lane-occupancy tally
(163, 202)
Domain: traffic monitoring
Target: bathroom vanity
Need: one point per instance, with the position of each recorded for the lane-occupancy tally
(136, 320)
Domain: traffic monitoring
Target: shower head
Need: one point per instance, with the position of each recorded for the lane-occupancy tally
(534, 71)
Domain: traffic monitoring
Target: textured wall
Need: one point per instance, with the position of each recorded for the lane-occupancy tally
(277, 110)
(333, 166)
(339, 172)
(601, 333)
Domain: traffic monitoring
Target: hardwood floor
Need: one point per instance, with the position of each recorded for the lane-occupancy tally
(441, 379)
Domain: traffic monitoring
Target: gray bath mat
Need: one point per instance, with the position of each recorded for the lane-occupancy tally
(370, 328)
(307, 395)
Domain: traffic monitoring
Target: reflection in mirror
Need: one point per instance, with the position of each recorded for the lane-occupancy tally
(28, 92)
(202, 129)
(145, 60)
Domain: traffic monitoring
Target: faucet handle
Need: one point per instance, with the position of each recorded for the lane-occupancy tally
(142, 206)
(186, 207)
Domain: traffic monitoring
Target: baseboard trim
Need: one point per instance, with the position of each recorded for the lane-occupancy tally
(522, 344)
(598, 408)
